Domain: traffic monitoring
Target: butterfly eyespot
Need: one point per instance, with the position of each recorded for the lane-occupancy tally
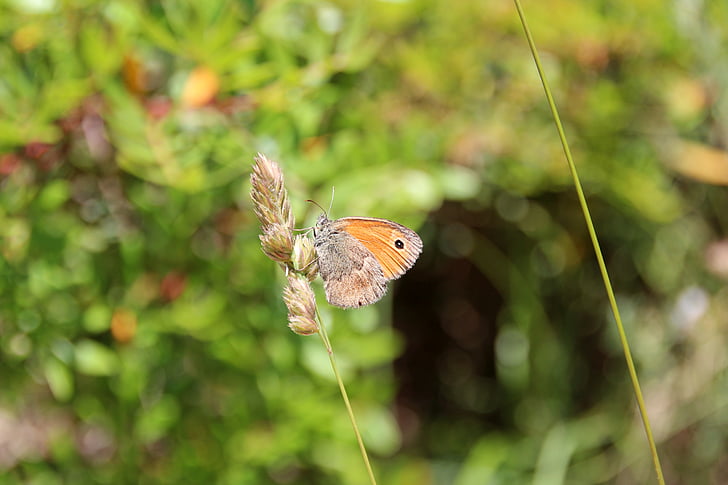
(399, 244)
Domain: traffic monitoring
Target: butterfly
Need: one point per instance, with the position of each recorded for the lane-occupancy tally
(358, 255)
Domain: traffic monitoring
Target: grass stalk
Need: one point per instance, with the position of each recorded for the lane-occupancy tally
(595, 243)
(345, 397)
(297, 256)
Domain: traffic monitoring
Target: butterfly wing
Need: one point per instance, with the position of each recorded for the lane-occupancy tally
(394, 246)
(352, 275)
(356, 288)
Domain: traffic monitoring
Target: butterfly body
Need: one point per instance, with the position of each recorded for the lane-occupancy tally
(358, 255)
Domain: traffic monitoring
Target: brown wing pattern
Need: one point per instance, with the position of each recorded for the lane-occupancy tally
(358, 288)
(395, 247)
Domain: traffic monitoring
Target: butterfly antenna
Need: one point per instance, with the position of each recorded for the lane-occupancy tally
(331, 204)
(317, 205)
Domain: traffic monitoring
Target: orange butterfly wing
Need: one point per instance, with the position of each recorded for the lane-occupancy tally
(395, 247)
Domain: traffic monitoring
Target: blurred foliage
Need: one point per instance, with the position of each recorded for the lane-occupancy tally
(142, 334)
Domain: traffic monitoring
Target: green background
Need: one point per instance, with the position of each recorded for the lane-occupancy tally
(143, 337)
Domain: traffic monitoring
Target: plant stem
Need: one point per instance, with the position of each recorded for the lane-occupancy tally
(345, 396)
(597, 249)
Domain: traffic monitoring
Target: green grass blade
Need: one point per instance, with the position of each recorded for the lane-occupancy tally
(345, 396)
(597, 249)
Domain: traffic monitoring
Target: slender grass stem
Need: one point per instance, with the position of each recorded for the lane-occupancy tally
(296, 255)
(595, 243)
(345, 396)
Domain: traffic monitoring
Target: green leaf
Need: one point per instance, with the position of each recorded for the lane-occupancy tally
(59, 378)
(155, 421)
(95, 359)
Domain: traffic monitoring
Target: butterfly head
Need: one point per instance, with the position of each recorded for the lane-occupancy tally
(322, 229)
(323, 219)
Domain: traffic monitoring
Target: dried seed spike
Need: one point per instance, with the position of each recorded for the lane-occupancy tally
(301, 303)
